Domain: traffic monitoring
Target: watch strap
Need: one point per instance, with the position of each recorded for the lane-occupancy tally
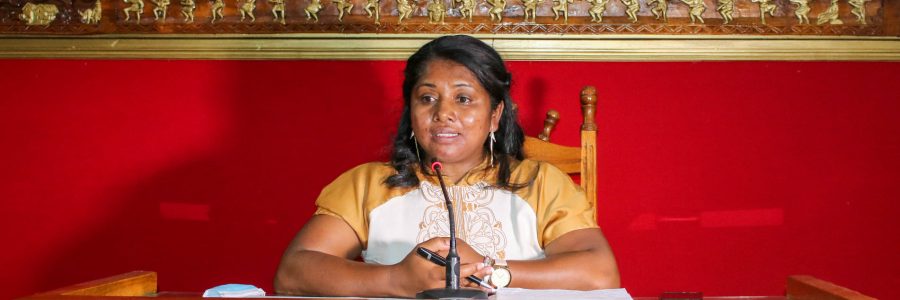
(499, 262)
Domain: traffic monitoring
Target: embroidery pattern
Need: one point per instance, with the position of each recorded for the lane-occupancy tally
(475, 221)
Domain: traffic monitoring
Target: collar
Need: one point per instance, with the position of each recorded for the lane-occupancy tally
(483, 172)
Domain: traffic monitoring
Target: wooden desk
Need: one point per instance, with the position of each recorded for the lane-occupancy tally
(139, 285)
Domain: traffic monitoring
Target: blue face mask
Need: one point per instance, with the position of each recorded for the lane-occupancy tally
(234, 291)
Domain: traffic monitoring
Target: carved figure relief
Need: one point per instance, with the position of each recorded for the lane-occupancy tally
(764, 8)
(697, 9)
(247, 9)
(466, 9)
(160, 10)
(216, 10)
(859, 10)
(726, 10)
(830, 15)
(91, 15)
(278, 10)
(404, 10)
(187, 10)
(436, 11)
(312, 10)
(342, 5)
(562, 6)
(373, 5)
(137, 6)
(660, 10)
(529, 7)
(598, 7)
(497, 7)
(38, 14)
(802, 10)
(631, 9)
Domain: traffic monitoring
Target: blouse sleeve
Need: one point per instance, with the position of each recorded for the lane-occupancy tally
(346, 197)
(562, 206)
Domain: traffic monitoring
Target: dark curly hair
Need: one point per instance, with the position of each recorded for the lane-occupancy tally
(485, 63)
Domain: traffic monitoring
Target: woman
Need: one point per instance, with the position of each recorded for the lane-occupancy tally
(528, 217)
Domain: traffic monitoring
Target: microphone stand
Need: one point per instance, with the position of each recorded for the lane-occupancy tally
(452, 289)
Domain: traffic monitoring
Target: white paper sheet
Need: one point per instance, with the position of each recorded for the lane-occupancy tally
(527, 294)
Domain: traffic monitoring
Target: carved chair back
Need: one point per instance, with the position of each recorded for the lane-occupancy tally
(572, 160)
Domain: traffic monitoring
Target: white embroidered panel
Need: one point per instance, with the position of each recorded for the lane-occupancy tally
(494, 222)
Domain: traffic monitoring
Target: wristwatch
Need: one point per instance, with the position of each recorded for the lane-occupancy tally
(501, 276)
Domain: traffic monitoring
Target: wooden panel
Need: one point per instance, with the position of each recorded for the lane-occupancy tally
(804, 287)
(136, 283)
(892, 18)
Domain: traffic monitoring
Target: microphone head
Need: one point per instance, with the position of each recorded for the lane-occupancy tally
(436, 164)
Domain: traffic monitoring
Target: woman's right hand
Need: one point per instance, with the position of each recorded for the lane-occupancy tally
(415, 273)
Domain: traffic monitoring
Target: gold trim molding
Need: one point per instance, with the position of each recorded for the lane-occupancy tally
(400, 46)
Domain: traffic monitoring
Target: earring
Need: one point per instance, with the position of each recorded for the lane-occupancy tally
(491, 146)
(412, 136)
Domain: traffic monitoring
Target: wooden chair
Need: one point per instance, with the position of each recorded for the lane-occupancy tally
(572, 160)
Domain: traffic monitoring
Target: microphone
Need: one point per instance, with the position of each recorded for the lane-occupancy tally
(452, 289)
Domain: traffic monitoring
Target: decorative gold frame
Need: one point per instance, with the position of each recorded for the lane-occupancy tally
(399, 46)
(358, 37)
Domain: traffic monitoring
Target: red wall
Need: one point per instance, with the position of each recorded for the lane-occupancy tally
(716, 177)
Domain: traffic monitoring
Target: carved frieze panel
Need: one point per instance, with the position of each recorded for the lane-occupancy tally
(583, 17)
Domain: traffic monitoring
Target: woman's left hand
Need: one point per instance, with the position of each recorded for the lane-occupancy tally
(479, 270)
(471, 263)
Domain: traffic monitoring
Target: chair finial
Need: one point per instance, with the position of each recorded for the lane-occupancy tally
(549, 124)
(588, 107)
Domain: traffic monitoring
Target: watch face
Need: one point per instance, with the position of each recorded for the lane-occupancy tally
(500, 277)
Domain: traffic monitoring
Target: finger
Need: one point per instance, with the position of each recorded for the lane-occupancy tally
(437, 244)
(480, 270)
(470, 284)
(484, 272)
(480, 282)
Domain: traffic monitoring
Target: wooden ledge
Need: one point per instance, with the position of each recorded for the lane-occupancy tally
(134, 284)
(805, 287)
(400, 46)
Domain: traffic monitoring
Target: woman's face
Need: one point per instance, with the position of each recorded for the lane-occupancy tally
(451, 114)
